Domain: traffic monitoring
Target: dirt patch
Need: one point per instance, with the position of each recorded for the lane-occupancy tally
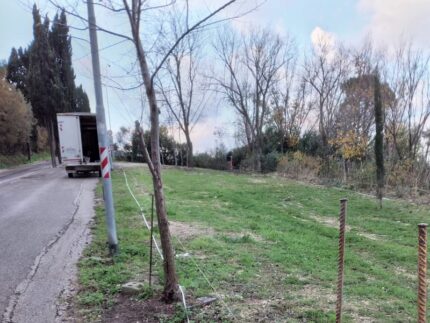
(186, 230)
(265, 310)
(317, 294)
(354, 308)
(257, 181)
(370, 236)
(243, 235)
(129, 310)
(403, 272)
(329, 222)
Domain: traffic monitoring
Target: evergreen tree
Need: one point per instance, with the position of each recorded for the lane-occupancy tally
(44, 74)
(379, 139)
(82, 104)
(61, 46)
(17, 70)
(42, 79)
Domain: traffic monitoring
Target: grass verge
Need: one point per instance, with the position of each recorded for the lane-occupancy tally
(267, 245)
(19, 159)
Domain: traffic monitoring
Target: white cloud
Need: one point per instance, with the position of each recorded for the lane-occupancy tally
(321, 38)
(392, 20)
(324, 42)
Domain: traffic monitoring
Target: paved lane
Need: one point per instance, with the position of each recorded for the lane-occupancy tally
(37, 206)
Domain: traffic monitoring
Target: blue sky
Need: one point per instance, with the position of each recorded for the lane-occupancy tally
(345, 20)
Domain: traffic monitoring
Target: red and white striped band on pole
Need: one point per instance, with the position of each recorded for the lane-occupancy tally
(104, 164)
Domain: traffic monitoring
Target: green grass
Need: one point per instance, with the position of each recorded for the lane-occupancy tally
(19, 159)
(268, 245)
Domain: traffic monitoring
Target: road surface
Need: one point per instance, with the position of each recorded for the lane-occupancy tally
(44, 220)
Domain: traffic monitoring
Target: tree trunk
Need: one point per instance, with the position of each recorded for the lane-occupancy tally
(324, 142)
(28, 149)
(51, 139)
(345, 171)
(189, 151)
(57, 141)
(379, 141)
(257, 152)
(171, 287)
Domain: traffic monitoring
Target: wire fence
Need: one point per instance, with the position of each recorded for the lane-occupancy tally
(199, 268)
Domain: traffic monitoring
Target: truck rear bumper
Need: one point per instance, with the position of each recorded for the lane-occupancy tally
(82, 168)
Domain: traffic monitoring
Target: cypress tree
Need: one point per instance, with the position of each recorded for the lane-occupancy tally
(17, 70)
(61, 46)
(42, 79)
(379, 139)
(82, 104)
(44, 73)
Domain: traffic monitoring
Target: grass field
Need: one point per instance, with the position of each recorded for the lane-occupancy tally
(267, 245)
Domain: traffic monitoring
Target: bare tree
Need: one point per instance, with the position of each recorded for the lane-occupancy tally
(179, 83)
(290, 100)
(357, 107)
(409, 79)
(133, 9)
(325, 71)
(251, 69)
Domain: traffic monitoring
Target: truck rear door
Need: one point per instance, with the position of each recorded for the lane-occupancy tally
(69, 131)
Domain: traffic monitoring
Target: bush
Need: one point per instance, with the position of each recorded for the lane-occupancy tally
(42, 138)
(216, 161)
(299, 165)
(310, 143)
(269, 162)
(402, 177)
(239, 155)
(16, 119)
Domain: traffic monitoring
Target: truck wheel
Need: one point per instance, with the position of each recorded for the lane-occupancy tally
(70, 175)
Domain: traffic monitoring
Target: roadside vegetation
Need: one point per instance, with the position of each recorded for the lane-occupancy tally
(268, 246)
(20, 159)
(40, 82)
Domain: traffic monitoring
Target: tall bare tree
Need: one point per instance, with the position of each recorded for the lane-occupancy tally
(290, 98)
(325, 71)
(181, 84)
(251, 69)
(409, 79)
(148, 70)
(356, 112)
(134, 9)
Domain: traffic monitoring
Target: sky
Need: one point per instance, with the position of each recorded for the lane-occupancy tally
(387, 22)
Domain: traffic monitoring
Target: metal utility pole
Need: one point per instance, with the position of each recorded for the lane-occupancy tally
(102, 134)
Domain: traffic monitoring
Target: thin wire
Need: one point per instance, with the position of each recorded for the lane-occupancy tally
(192, 259)
(142, 214)
(185, 304)
(159, 252)
(207, 280)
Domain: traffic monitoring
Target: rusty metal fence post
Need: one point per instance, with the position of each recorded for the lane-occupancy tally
(150, 240)
(422, 272)
(342, 221)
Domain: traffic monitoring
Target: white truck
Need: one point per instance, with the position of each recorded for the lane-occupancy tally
(79, 146)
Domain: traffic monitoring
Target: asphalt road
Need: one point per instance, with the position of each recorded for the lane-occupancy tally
(44, 220)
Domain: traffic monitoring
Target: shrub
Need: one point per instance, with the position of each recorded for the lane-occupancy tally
(299, 165)
(269, 162)
(16, 119)
(310, 143)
